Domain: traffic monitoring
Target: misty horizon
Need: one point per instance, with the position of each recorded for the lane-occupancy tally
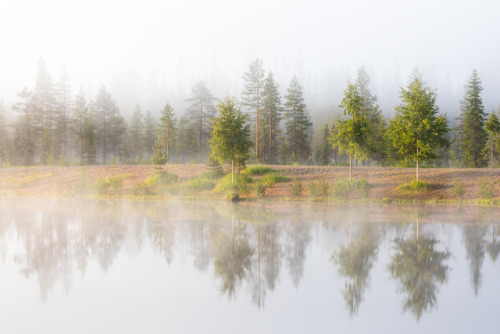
(148, 54)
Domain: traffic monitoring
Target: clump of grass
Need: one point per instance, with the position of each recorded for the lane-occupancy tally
(258, 170)
(458, 188)
(116, 184)
(198, 185)
(296, 187)
(156, 184)
(273, 178)
(102, 186)
(415, 185)
(486, 189)
(260, 188)
(240, 184)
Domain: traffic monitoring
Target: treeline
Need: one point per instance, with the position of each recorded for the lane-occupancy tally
(51, 125)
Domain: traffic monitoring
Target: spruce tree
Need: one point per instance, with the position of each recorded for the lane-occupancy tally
(493, 128)
(252, 98)
(200, 114)
(371, 110)
(271, 116)
(149, 134)
(80, 114)
(25, 133)
(4, 136)
(136, 133)
(166, 130)
(417, 129)
(297, 123)
(323, 148)
(105, 114)
(472, 132)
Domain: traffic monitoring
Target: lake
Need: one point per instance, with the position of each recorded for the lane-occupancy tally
(88, 266)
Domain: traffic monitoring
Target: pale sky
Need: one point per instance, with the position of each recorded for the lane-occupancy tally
(100, 41)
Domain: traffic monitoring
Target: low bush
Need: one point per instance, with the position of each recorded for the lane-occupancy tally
(364, 188)
(486, 189)
(344, 187)
(458, 188)
(212, 174)
(198, 185)
(296, 187)
(273, 178)
(240, 184)
(260, 188)
(320, 189)
(258, 170)
(415, 186)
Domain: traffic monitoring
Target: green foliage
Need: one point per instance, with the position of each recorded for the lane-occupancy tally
(240, 185)
(166, 130)
(319, 189)
(472, 131)
(159, 157)
(364, 188)
(260, 188)
(493, 128)
(344, 187)
(230, 136)
(416, 130)
(458, 188)
(214, 168)
(273, 178)
(271, 116)
(486, 189)
(198, 185)
(296, 187)
(116, 184)
(415, 186)
(297, 123)
(350, 135)
(212, 175)
(258, 170)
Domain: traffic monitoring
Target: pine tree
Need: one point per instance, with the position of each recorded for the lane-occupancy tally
(166, 129)
(80, 114)
(472, 132)
(136, 133)
(493, 128)
(62, 121)
(89, 143)
(417, 130)
(297, 123)
(230, 141)
(271, 116)
(352, 134)
(252, 98)
(24, 138)
(4, 136)
(200, 114)
(105, 113)
(377, 123)
(324, 151)
(149, 133)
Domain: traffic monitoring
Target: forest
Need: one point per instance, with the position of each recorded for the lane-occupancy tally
(52, 125)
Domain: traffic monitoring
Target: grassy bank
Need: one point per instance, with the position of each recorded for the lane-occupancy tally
(262, 183)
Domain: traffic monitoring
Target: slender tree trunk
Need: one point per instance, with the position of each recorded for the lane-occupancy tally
(417, 160)
(232, 171)
(350, 168)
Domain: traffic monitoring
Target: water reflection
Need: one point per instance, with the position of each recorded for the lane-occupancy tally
(251, 248)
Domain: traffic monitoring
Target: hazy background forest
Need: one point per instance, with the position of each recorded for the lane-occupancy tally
(145, 54)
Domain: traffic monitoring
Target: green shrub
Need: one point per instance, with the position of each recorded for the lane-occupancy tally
(364, 188)
(116, 184)
(102, 186)
(198, 185)
(414, 186)
(486, 189)
(319, 189)
(212, 174)
(344, 187)
(164, 177)
(240, 185)
(260, 188)
(296, 187)
(458, 188)
(258, 170)
(273, 178)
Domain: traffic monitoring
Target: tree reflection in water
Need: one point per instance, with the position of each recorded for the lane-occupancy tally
(420, 269)
(475, 245)
(355, 262)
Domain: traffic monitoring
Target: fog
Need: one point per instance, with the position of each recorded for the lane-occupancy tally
(150, 52)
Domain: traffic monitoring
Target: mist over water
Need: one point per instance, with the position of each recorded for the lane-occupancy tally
(150, 52)
(101, 266)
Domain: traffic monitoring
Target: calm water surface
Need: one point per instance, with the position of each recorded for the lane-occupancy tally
(124, 267)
